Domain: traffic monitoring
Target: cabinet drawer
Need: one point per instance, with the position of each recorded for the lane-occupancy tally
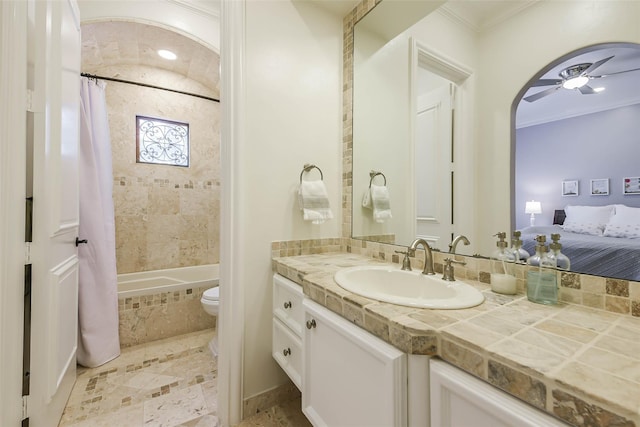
(287, 351)
(287, 303)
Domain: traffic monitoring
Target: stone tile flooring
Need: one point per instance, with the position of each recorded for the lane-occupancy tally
(166, 383)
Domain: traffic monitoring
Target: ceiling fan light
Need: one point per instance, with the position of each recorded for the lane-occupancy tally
(575, 82)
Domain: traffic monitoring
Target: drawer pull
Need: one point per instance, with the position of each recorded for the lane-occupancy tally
(287, 304)
(311, 324)
(286, 351)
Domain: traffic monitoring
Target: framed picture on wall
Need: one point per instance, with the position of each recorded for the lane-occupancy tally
(631, 185)
(570, 188)
(600, 187)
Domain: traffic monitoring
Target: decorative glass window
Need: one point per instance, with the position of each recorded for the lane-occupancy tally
(162, 142)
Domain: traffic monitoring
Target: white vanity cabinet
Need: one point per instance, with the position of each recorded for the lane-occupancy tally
(288, 318)
(351, 378)
(459, 399)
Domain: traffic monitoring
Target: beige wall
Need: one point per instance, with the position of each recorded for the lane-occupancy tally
(166, 216)
(293, 116)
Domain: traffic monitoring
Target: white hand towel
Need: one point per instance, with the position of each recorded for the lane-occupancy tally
(314, 201)
(381, 204)
(366, 199)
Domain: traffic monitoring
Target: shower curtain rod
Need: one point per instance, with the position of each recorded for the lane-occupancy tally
(111, 79)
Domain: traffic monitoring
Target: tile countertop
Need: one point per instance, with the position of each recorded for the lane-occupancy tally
(582, 365)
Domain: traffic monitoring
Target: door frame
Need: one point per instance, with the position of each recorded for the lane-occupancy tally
(231, 319)
(463, 150)
(13, 66)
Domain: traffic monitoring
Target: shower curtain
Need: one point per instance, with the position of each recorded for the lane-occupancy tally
(98, 339)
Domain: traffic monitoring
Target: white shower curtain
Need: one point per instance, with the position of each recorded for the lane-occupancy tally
(98, 339)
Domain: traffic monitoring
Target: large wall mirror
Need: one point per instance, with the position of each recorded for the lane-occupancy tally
(448, 112)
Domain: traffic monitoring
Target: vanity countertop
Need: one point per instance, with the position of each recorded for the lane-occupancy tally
(577, 363)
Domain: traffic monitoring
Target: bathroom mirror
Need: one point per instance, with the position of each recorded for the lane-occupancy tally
(480, 39)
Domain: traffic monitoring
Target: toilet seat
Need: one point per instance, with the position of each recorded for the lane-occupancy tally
(212, 294)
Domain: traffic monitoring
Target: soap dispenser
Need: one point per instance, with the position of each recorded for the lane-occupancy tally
(542, 285)
(520, 253)
(503, 279)
(562, 261)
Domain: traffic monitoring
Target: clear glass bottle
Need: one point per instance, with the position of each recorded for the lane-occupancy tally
(520, 253)
(542, 287)
(562, 261)
(503, 279)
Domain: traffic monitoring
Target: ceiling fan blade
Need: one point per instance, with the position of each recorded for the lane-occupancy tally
(613, 74)
(541, 94)
(586, 90)
(596, 65)
(546, 82)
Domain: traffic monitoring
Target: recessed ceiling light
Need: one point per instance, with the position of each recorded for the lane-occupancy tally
(598, 89)
(167, 54)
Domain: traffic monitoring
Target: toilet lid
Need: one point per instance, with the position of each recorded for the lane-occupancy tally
(212, 294)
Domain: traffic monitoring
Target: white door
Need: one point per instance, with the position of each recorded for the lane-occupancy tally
(53, 133)
(433, 167)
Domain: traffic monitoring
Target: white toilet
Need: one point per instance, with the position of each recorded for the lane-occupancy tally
(211, 303)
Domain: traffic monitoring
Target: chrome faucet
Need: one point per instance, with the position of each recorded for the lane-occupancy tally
(454, 243)
(428, 256)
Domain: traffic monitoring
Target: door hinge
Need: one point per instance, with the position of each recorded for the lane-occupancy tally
(29, 100)
(25, 411)
(27, 253)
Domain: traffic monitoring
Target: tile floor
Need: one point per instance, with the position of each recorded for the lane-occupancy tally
(166, 383)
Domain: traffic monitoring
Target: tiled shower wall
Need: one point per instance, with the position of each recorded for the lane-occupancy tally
(166, 216)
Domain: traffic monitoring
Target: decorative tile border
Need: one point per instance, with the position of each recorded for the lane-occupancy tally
(160, 298)
(124, 181)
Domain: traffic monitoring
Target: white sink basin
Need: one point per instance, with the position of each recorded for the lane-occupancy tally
(409, 288)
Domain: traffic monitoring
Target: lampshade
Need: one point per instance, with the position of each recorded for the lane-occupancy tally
(533, 207)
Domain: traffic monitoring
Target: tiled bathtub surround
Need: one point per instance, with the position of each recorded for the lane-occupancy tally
(578, 363)
(166, 216)
(162, 315)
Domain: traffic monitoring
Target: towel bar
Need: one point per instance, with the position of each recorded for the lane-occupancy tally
(307, 167)
(373, 174)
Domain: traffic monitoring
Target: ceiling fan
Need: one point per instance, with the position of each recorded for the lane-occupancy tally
(573, 77)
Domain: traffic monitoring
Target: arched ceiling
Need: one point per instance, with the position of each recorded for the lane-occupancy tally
(113, 43)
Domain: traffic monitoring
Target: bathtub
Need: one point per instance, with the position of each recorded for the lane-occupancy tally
(169, 280)
(161, 304)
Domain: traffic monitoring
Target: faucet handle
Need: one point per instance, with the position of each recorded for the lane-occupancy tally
(406, 262)
(447, 270)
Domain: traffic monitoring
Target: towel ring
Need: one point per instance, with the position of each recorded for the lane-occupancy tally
(307, 167)
(373, 174)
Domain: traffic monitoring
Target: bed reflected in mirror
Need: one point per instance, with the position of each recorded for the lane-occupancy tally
(576, 154)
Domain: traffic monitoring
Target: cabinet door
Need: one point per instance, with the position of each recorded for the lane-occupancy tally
(459, 399)
(351, 378)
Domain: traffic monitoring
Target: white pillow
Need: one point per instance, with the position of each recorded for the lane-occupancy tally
(587, 219)
(625, 223)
